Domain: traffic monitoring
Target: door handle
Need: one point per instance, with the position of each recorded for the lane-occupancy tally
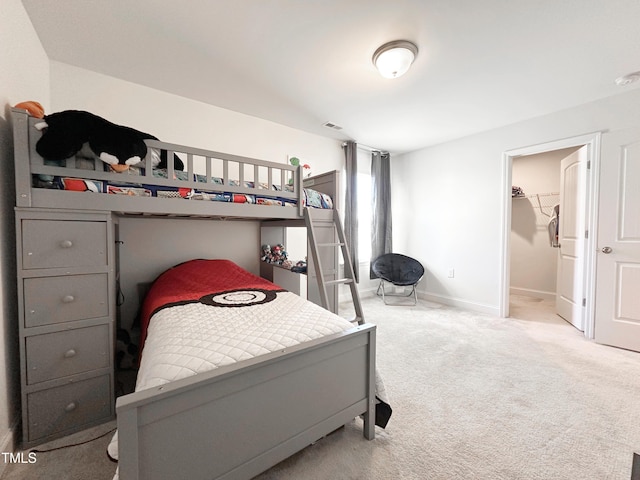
(607, 250)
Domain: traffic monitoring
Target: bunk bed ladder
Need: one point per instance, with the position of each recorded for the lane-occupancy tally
(348, 266)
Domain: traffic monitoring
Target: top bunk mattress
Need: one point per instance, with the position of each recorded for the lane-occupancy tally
(126, 185)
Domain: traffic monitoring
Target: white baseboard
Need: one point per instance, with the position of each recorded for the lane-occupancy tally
(431, 297)
(367, 293)
(529, 292)
(460, 303)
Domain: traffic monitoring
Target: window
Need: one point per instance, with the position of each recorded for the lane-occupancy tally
(364, 206)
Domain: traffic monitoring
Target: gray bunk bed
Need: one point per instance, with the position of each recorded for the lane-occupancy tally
(232, 422)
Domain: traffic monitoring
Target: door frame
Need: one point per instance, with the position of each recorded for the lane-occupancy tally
(592, 140)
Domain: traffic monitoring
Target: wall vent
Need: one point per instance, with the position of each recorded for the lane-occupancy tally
(332, 125)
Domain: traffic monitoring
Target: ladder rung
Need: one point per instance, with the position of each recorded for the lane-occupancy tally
(323, 222)
(340, 280)
(338, 244)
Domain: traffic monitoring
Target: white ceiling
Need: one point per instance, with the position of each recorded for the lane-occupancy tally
(482, 63)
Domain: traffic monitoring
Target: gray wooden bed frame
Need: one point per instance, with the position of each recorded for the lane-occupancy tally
(236, 421)
(29, 162)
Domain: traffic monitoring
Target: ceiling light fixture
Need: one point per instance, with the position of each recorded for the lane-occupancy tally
(394, 58)
(627, 79)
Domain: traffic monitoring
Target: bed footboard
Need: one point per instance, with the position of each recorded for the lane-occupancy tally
(237, 421)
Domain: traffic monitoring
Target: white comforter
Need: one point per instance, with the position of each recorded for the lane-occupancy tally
(188, 339)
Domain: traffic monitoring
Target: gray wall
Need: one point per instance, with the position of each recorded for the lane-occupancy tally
(151, 245)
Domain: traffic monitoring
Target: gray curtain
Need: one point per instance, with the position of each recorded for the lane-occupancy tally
(351, 204)
(380, 206)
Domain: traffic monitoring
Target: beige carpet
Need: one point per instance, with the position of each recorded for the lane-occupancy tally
(474, 397)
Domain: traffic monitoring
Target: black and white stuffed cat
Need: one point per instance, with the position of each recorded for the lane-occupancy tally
(76, 132)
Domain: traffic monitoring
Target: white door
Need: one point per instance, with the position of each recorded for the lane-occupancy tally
(570, 285)
(617, 314)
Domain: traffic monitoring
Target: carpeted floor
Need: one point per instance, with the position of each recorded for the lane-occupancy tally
(474, 397)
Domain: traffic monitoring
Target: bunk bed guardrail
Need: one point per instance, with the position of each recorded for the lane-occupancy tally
(204, 170)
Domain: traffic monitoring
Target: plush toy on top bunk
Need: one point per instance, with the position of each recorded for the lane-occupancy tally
(88, 137)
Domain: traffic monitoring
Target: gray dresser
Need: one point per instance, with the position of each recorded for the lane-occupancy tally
(65, 274)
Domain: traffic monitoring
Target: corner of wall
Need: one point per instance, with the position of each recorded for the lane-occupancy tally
(8, 443)
(24, 75)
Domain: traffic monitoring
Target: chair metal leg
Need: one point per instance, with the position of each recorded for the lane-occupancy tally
(383, 294)
(381, 288)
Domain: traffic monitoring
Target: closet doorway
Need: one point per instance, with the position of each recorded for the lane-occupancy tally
(542, 274)
(535, 274)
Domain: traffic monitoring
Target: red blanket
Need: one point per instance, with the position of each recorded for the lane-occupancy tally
(215, 282)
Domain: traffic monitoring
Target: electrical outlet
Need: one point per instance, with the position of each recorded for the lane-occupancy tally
(451, 273)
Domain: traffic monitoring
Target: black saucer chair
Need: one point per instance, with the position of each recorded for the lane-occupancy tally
(398, 270)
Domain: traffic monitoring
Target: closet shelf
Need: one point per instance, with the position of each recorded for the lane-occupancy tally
(543, 201)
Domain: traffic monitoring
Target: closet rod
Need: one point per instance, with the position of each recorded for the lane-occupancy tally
(366, 147)
(540, 206)
(534, 195)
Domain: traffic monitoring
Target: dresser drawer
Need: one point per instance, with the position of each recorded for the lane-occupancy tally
(60, 354)
(68, 407)
(49, 300)
(63, 243)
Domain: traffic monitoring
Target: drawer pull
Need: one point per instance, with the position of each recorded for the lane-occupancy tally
(70, 353)
(71, 407)
(68, 299)
(66, 244)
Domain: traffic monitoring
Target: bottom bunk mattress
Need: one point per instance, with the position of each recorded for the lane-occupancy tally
(204, 314)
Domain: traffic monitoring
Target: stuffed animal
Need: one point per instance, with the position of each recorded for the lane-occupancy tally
(300, 266)
(278, 254)
(33, 108)
(266, 253)
(126, 350)
(287, 264)
(273, 254)
(73, 132)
